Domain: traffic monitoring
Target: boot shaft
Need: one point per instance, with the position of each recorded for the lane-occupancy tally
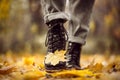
(56, 39)
(73, 55)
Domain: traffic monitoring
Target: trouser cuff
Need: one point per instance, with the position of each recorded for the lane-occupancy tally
(77, 40)
(56, 15)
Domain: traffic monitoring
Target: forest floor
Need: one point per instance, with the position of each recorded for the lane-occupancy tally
(30, 67)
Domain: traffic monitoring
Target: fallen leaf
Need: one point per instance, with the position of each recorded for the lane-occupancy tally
(7, 69)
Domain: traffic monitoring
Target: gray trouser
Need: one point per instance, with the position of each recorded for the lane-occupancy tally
(78, 16)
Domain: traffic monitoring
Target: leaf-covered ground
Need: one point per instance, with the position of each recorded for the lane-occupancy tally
(30, 67)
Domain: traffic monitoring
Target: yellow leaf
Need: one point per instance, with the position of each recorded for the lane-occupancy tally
(28, 60)
(73, 73)
(33, 75)
(55, 58)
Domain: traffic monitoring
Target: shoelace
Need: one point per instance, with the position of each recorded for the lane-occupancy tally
(64, 30)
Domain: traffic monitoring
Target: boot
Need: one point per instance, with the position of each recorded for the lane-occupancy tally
(73, 56)
(55, 41)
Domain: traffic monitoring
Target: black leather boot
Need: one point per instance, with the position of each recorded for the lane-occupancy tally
(73, 55)
(55, 40)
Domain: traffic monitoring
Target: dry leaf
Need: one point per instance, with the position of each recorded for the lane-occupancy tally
(34, 75)
(73, 73)
(7, 69)
(55, 58)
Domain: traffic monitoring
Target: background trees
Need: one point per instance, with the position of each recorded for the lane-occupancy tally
(22, 28)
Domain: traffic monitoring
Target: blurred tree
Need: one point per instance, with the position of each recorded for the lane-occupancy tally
(22, 28)
(114, 25)
(38, 27)
(36, 16)
(106, 21)
(4, 14)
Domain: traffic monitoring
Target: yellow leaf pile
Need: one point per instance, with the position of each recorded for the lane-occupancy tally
(27, 66)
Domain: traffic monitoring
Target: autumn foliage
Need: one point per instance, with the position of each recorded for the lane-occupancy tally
(27, 66)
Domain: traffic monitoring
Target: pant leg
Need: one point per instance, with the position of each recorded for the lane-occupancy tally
(53, 9)
(80, 11)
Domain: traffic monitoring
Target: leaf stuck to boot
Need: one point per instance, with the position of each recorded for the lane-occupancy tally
(55, 58)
